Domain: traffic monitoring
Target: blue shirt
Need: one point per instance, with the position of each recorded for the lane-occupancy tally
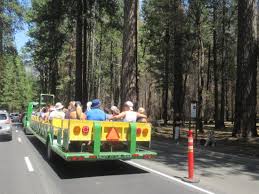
(96, 114)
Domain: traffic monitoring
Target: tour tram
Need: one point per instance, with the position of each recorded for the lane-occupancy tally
(106, 140)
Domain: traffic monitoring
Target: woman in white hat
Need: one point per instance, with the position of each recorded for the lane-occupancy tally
(128, 115)
(58, 112)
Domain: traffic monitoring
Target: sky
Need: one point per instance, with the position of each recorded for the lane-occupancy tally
(21, 36)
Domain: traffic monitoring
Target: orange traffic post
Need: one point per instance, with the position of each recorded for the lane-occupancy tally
(190, 177)
(190, 156)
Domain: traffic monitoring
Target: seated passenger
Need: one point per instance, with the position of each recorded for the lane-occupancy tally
(50, 108)
(142, 119)
(43, 113)
(113, 112)
(128, 115)
(77, 113)
(58, 112)
(88, 106)
(96, 114)
(71, 108)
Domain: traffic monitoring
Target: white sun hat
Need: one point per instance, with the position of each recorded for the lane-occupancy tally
(129, 104)
(58, 106)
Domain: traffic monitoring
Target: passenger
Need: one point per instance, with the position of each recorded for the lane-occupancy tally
(96, 114)
(128, 115)
(42, 113)
(141, 110)
(113, 112)
(58, 112)
(77, 113)
(71, 108)
(88, 106)
(50, 108)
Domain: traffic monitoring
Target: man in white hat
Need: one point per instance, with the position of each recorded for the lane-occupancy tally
(58, 112)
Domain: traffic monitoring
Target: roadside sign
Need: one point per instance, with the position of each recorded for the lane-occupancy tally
(193, 110)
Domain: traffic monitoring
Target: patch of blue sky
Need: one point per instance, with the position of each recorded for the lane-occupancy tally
(21, 36)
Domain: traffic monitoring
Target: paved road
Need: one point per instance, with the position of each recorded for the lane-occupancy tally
(24, 170)
(220, 173)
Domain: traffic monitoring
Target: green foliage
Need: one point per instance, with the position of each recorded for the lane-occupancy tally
(53, 40)
(17, 88)
(172, 35)
(156, 16)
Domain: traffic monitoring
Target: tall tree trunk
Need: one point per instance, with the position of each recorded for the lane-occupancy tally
(208, 71)
(200, 84)
(100, 63)
(89, 70)
(149, 98)
(92, 48)
(215, 69)
(223, 63)
(166, 77)
(54, 77)
(222, 103)
(70, 80)
(136, 53)
(85, 53)
(78, 86)
(178, 97)
(227, 101)
(128, 72)
(112, 74)
(245, 107)
(1, 28)
(1, 44)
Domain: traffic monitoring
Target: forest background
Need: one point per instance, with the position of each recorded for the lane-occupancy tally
(161, 54)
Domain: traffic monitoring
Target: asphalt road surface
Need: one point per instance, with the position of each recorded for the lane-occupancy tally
(25, 170)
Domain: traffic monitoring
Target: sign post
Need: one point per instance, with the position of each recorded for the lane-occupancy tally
(194, 117)
(193, 109)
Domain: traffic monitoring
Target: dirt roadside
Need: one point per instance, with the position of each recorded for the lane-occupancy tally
(225, 143)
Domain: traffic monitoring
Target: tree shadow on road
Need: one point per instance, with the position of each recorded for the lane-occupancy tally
(207, 164)
(71, 170)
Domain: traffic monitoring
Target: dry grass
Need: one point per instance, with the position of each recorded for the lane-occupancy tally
(225, 142)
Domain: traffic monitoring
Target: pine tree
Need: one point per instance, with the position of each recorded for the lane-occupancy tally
(128, 72)
(245, 107)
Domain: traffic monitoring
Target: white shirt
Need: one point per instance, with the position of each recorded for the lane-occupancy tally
(57, 114)
(130, 116)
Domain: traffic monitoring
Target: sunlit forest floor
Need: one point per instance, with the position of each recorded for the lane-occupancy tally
(225, 143)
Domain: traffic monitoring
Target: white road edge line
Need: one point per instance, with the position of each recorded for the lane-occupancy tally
(169, 177)
(19, 140)
(28, 163)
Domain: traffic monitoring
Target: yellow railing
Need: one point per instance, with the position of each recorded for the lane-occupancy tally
(82, 130)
